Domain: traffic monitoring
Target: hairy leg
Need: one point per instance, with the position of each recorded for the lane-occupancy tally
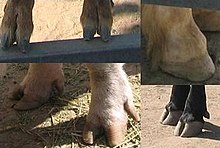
(17, 24)
(176, 45)
(191, 121)
(175, 107)
(97, 17)
(112, 100)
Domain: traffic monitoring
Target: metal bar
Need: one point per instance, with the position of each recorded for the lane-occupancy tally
(208, 4)
(121, 48)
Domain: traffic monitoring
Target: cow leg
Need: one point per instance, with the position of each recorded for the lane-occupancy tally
(191, 121)
(36, 87)
(17, 24)
(111, 100)
(176, 45)
(175, 107)
(207, 20)
(97, 17)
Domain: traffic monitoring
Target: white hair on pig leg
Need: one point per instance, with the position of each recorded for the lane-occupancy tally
(111, 101)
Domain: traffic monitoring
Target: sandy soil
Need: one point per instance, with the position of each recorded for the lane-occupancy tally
(60, 19)
(156, 135)
(59, 123)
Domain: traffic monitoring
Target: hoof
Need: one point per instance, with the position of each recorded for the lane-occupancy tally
(199, 69)
(97, 17)
(37, 86)
(6, 40)
(90, 132)
(116, 134)
(26, 105)
(88, 33)
(189, 129)
(17, 24)
(170, 118)
(105, 33)
(23, 46)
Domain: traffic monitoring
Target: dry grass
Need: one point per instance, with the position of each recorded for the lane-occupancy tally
(59, 123)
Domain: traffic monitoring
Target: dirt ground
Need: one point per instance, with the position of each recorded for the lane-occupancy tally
(59, 122)
(60, 19)
(155, 135)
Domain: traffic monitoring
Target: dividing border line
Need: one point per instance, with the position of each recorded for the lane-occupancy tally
(120, 48)
(208, 4)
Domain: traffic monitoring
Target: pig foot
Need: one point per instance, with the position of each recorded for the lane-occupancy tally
(37, 86)
(111, 101)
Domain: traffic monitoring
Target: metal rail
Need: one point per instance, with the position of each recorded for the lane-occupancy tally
(208, 4)
(121, 48)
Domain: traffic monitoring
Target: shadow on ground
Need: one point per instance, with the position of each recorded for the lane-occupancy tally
(58, 122)
(212, 131)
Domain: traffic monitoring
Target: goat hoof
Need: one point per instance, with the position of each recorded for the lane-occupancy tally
(189, 129)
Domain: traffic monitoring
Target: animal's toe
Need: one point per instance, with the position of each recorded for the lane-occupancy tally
(23, 45)
(17, 93)
(88, 33)
(23, 104)
(90, 132)
(116, 134)
(5, 41)
(170, 118)
(104, 32)
(189, 129)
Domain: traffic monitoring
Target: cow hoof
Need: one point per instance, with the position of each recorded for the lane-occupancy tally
(98, 20)
(170, 118)
(199, 69)
(188, 129)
